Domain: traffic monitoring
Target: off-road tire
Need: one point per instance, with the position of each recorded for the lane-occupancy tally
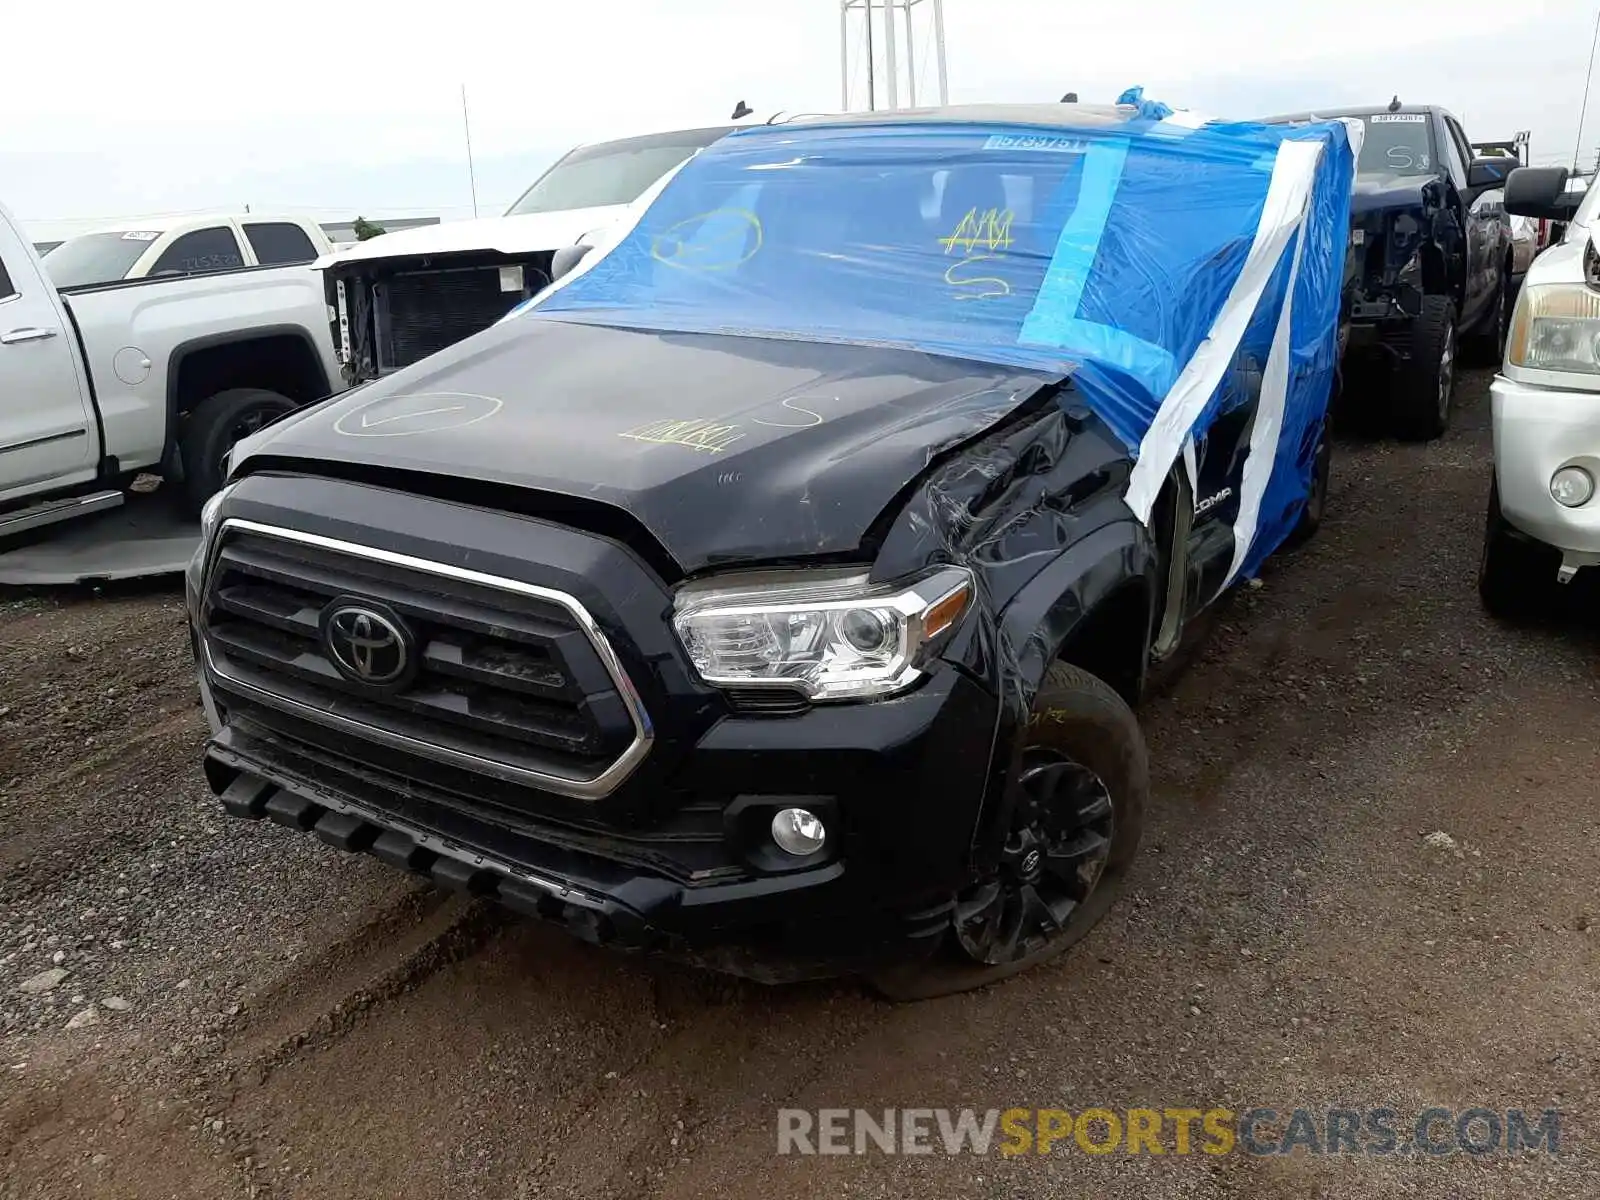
(1424, 386)
(1516, 574)
(210, 431)
(1086, 720)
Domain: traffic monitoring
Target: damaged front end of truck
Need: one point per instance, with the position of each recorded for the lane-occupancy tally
(774, 590)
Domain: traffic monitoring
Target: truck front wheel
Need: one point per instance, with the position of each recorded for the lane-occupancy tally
(213, 428)
(1079, 811)
(1426, 382)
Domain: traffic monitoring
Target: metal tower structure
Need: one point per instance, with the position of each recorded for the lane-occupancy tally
(892, 41)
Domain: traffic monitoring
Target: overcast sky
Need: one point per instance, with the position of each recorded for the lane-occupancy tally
(337, 109)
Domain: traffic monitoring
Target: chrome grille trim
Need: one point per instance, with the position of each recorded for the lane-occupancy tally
(596, 788)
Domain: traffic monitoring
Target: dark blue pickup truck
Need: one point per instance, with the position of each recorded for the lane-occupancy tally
(1429, 273)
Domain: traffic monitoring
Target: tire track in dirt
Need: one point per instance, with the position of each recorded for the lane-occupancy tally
(530, 1064)
(424, 932)
(79, 671)
(97, 807)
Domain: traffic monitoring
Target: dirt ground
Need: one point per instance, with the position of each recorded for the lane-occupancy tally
(268, 1017)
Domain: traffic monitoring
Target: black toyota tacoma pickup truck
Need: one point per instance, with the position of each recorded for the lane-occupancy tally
(488, 677)
(1432, 268)
(785, 654)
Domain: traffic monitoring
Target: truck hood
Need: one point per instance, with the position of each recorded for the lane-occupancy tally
(727, 449)
(1373, 193)
(524, 234)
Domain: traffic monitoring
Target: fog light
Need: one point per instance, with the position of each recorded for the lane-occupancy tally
(1572, 487)
(798, 831)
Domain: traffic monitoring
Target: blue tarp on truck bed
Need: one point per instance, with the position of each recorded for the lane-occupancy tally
(1145, 254)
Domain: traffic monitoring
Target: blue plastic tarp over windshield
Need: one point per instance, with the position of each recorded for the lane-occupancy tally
(1112, 252)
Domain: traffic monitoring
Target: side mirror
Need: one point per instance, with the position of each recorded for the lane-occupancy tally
(1540, 192)
(565, 259)
(1489, 172)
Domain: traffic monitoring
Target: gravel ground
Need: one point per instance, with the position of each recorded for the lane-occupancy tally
(247, 1013)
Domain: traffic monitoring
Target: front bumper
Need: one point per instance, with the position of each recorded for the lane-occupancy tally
(1537, 431)
(674, 856)
(899, 782)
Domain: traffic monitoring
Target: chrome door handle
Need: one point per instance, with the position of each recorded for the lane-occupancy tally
(26, 334)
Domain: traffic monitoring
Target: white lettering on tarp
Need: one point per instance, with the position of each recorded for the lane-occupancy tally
(1048, 142)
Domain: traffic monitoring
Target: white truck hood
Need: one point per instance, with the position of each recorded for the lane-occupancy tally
(1560, 263)
(508, 235)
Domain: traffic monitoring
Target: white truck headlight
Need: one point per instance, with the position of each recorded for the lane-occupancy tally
(1556, 327)
(826, 638)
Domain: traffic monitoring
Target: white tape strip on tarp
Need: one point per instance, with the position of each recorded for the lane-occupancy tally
(1293, 171)
(1267, 429)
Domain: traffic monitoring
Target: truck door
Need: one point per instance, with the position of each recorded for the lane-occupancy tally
(1484, 232)
(47, 433)
(1475, 228)
(1220, 455)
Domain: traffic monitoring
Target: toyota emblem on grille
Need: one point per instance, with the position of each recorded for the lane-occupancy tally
(367, 644)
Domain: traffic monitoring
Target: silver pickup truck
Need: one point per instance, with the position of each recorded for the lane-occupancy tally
(160, 376)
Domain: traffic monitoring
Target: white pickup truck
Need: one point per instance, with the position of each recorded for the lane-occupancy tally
(405, 295)
(157, 375)
(152, 247)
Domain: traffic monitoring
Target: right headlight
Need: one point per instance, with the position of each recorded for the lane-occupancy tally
(826, 638)
(1556, 327)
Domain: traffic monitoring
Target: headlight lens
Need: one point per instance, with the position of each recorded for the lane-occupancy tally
(1556, 327)
(829, 639)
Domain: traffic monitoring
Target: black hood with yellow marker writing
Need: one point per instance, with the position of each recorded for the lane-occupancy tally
(726, 448)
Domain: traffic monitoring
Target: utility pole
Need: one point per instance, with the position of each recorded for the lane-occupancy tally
(906, 28)
(1588, 77)
(872, 100)
(466, 125)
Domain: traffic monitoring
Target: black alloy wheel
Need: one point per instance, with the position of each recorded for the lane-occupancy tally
(1058, 848)
(1082, 775)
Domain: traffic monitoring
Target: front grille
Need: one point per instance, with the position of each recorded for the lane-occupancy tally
(422, 312)
(510, 680)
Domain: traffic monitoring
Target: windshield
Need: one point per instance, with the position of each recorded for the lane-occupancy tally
(97, 257)
(1396, 143)
(612, 172)
(1016, 244)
